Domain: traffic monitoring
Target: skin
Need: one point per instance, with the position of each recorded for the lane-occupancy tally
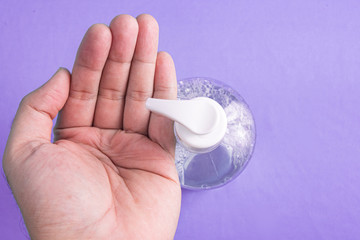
(110, 172)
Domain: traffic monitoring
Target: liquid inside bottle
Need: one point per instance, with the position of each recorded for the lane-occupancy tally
(225, 162)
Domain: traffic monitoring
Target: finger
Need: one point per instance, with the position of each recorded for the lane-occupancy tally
(110, 101)
(90, 60)
(141, 79)
(165, 87)
(33, 120)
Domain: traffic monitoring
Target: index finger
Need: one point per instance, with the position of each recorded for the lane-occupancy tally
(89, 63)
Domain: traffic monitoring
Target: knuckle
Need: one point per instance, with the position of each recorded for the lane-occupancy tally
(139, 95)
(111, 94)
(26, 100)
(82, 95)
(166, 89)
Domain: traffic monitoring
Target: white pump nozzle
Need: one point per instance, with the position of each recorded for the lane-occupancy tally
(200, 123)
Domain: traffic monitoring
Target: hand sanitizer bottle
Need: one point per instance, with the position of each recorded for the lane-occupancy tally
(215, 132)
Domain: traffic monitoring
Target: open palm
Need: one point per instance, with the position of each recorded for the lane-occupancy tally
(110, 172)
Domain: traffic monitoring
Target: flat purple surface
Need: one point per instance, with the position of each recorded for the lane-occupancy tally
(297, 64)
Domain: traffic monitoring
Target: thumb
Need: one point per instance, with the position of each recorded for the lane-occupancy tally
(33, 120)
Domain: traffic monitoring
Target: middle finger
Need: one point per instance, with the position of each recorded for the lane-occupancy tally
(141, 79)
(112, 89)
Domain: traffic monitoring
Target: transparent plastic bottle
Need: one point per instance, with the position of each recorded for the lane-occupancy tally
(199, 170)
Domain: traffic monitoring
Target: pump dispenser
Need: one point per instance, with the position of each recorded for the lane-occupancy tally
(200, 123)
(215, 132)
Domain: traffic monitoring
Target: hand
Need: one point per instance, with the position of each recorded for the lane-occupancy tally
(110, 172)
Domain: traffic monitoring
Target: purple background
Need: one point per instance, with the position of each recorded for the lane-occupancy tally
(297, 64)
